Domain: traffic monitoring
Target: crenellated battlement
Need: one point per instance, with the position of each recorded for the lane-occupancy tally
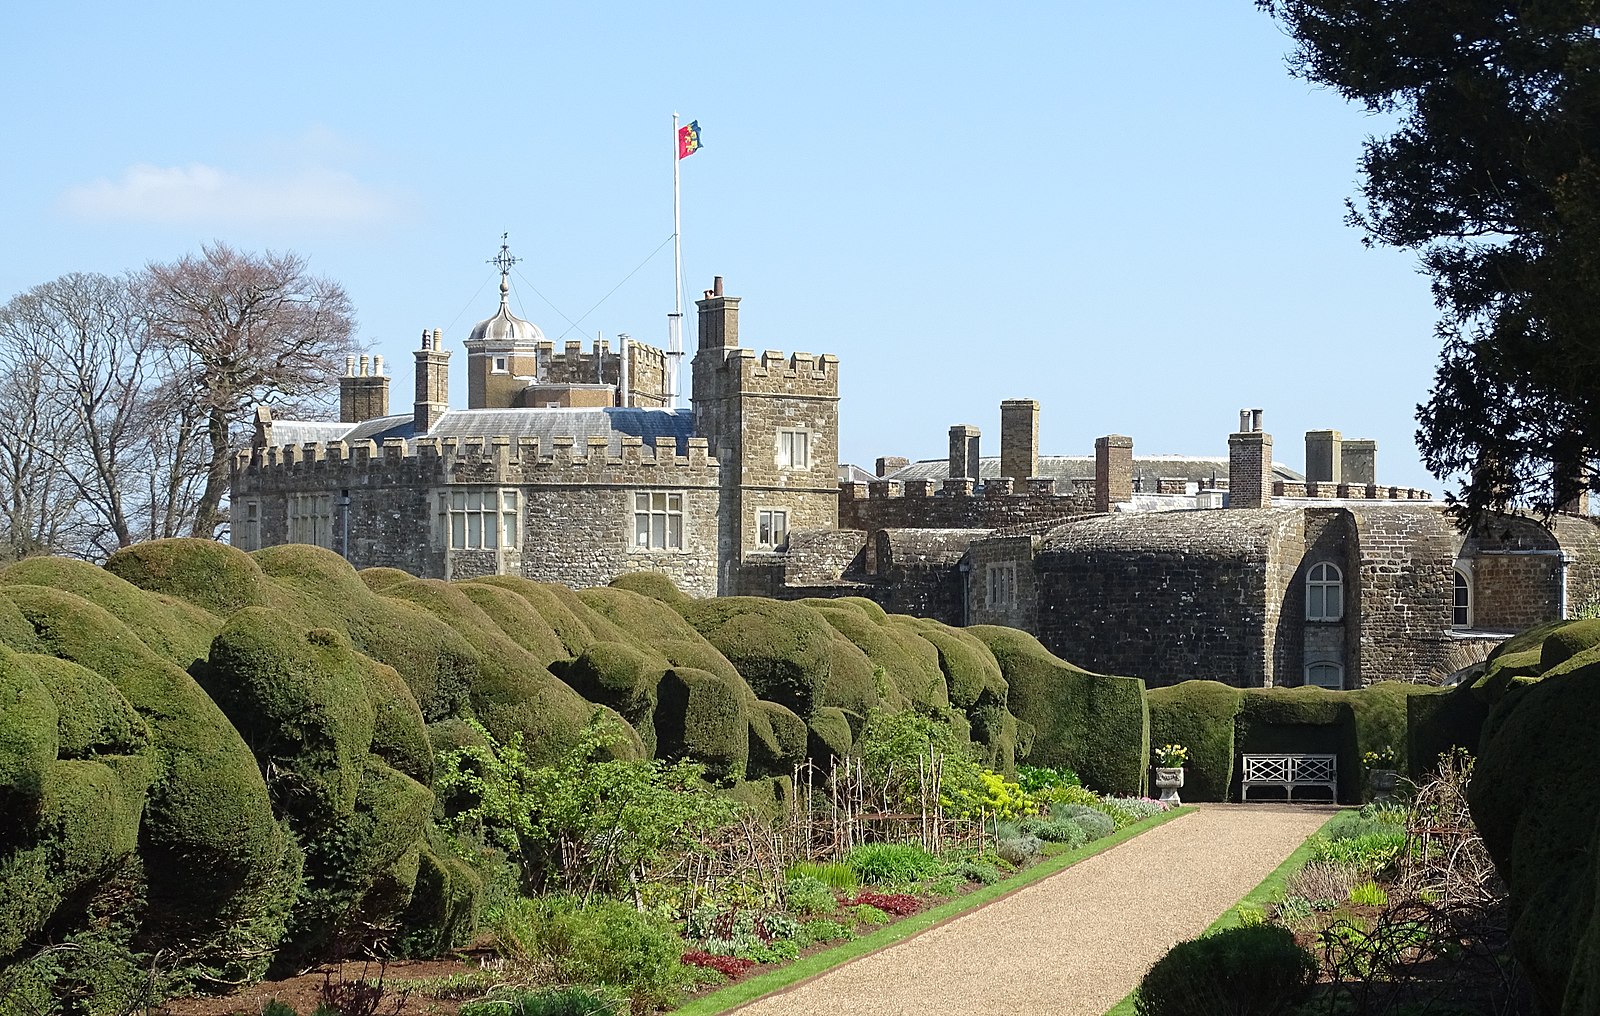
(561, 460)
(820, 371)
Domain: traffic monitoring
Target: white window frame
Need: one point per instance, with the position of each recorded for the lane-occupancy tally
(772, 528)
(659, 520)
(480, 518)
(794, 449)
(1324, 594)
(500, 365)
(310, 519)
(1001, 584)
(1461, 613)
(1325, 669)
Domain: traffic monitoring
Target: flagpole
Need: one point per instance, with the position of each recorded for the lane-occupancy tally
(675, 320)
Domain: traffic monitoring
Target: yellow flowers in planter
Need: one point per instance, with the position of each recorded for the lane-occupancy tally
(1170, 756)
(1384, 759)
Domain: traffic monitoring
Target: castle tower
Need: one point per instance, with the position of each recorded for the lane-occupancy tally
(433, 382)
(503, 350)
(772, 422)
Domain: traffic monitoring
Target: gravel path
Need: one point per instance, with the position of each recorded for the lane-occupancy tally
(1076, 942)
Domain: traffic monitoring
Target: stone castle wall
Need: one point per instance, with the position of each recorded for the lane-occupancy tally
(1169, 596)
(953, 504)
(576, 512)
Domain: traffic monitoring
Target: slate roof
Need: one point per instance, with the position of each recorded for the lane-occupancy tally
(1066, 468)
(544, 424)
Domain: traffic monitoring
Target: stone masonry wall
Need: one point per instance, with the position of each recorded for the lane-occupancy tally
(917, 506)
(1166, 597)
(576, 519)
(1406, 584)
(921, 571)
(1014, 553)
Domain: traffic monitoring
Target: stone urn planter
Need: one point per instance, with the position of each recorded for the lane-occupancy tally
(1168, 780)
(1383, 783)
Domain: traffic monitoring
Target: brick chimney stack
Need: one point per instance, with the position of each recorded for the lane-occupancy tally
(363, 396)
(1250, 463)
(433, 382)
(1113, 471)
(718, 317)
(1360, 461)
(964, 451)
(1324, 456)
(1019, 439)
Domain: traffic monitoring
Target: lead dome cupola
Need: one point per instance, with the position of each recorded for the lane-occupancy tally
(505, 328)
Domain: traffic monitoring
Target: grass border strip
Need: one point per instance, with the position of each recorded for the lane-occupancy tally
(1276, 879)
(808, 967)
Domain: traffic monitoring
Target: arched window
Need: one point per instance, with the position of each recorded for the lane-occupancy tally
(1325, 675)
(1324, 592)
(1463, 612)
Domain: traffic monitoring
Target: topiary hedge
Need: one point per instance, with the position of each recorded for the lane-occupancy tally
(1099, 726)
(1200, 715)
(1537, 806)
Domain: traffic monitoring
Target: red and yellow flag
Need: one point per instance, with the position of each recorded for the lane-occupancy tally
(688, 139)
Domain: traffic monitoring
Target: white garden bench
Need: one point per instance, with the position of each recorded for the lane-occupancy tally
(1289, 772)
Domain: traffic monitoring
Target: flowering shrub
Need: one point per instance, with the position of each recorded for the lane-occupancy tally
(1170, 756)
(898, 904)
(1382, 759)
(728, 966)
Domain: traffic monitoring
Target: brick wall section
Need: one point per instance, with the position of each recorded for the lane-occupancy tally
(1165, 597)
(1250, 469)
(1406, 586)
(577, 506)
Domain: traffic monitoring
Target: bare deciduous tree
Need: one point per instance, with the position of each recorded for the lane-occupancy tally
(248, 330)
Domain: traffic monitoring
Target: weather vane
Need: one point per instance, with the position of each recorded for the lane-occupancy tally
(504, 260)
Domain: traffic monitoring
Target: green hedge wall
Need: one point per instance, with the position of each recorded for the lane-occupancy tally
(1100, 726)
(1200, 716)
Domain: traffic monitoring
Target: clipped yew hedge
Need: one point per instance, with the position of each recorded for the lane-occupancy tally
(1099, 726)
(245, 743)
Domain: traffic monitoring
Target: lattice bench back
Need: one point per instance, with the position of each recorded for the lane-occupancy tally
(1289, 772)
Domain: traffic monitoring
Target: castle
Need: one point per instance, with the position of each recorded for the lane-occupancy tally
(569, 467)
(575, 467)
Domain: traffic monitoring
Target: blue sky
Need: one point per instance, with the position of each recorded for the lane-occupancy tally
(1128, 211)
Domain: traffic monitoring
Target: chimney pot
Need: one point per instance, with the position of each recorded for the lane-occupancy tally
(366, 363)
(350, 366)
(716, 286)
(377, 365)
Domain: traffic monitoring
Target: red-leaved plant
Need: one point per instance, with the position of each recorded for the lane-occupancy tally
(898, 904)
(728, 966)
